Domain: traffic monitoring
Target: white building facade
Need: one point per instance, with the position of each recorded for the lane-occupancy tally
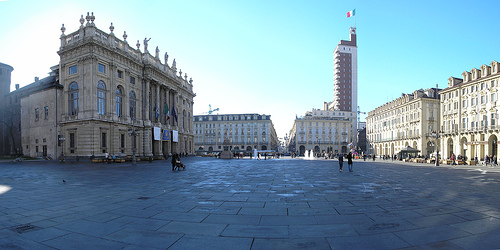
(469, 111)
(323, 131)
(405, 121)
(244, 132)
(108, 89)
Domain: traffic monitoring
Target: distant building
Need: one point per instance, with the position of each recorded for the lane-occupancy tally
(405, 121)
(323, 131)
(101, 90)
(469, 111)
(245, 133)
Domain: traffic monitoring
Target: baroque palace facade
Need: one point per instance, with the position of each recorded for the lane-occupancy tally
(469, 111)
(102, 91)
(323, 131)
(244, 132)
(405, 121)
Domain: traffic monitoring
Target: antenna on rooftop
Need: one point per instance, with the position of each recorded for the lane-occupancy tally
(210, 110)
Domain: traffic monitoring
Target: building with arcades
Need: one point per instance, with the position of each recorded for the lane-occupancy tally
(322, 131)
(103, 89)
(244, 133)
(469, 114)
(406, 121)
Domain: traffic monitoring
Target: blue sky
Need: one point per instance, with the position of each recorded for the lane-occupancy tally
(271, 57)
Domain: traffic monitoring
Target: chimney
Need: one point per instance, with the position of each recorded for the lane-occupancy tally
(17, 86)
(37, 79)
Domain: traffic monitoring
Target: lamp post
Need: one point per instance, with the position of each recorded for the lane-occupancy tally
(62, 139)
(436, 135)
(133, 132)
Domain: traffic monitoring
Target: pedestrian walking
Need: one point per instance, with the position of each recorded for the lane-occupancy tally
(341, 162)
(349, 161)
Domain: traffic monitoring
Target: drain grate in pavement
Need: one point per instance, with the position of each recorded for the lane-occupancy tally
(143, 198)
(24, 228)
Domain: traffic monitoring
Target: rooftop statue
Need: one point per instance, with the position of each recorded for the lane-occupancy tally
(146, 40)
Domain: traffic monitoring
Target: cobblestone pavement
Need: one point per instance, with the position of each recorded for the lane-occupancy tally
(248, 204)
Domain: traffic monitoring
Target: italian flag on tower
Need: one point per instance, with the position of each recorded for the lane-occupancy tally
(351, 13)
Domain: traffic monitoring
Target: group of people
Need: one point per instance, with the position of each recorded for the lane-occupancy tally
(349, 161)
(176, 162)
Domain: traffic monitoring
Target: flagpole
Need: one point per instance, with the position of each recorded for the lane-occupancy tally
(354, 18)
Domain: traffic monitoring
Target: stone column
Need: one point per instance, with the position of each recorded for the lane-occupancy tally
(158, 123)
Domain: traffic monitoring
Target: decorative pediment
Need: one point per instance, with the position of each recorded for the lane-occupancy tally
(473, 112)
(482, 111)
(464, 113)
(493, 110)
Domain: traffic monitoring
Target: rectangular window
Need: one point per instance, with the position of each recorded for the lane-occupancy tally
(37, 114)
(46, 112)
(72, 140)
(73, 70)
(122, 141)
(119, 74)
(132, 80)
(101, 68)
(493, 97)
(103, 140)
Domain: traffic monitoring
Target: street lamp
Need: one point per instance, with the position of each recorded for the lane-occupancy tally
(436, 135)
(62, 139)
(133, 132)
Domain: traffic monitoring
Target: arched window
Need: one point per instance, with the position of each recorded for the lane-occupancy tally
(73, 96)
(132, 104)
(101, 97)
(119, 101)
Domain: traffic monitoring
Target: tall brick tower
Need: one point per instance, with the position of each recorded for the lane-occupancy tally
(5, 72)
(345, 74)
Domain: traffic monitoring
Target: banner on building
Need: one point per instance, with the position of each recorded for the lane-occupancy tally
(175, 136)
(156, 133)
(166, 135)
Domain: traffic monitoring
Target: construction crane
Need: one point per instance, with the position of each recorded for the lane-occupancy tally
(359, 112)
(210, 110)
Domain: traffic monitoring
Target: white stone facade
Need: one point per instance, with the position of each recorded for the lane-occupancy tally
(323, 131)
(469, 111)
(245, 132)
(405, 121)
(108, 88)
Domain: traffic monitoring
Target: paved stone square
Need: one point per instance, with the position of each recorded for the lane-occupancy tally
(248, 204)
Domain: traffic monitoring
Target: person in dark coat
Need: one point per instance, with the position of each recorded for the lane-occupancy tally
(341, 162)
(349, 161)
